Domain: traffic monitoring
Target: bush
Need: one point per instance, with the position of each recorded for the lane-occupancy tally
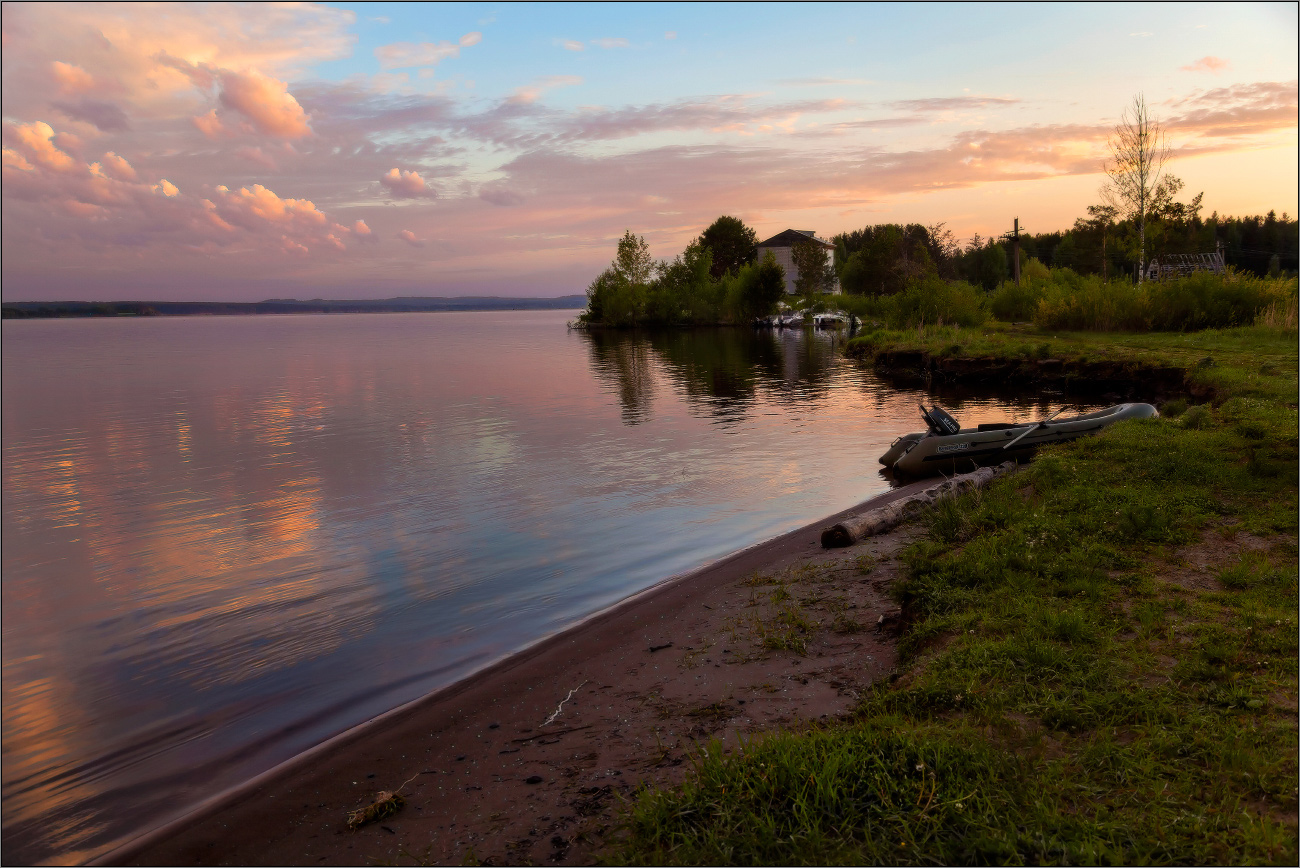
(1013, 303)
(1089, 303)
(930, 301)
(1199, 301)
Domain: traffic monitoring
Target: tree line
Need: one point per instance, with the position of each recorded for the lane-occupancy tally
(718, 279)
(886, 258)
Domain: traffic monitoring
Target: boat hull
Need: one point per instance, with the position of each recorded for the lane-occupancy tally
(919, 454)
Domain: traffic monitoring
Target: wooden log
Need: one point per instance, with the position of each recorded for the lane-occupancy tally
(874, 521)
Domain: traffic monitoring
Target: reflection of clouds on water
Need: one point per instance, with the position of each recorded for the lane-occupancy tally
(492, 445)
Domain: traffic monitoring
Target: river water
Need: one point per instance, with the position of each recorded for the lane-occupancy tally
(226, 539)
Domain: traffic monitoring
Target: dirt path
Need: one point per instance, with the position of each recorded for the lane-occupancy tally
(527, 761)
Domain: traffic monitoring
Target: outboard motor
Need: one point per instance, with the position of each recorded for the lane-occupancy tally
(939, 422)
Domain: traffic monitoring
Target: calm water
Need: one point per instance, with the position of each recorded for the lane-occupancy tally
(226, 539)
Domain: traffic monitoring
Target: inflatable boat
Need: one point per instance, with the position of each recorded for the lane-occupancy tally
(946, 447)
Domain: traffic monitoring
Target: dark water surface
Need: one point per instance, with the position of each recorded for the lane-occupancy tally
(229, 538)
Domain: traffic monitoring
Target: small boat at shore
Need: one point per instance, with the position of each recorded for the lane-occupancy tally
(946, 447)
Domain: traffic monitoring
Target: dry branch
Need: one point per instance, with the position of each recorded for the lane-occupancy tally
(874, 521)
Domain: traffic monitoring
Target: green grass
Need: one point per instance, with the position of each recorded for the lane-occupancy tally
(1099, 667)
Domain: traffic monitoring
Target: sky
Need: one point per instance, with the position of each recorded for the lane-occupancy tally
(238, 152)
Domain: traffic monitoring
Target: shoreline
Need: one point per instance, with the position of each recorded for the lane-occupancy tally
(470, 714)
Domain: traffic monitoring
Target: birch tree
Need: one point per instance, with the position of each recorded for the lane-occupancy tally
(1138, 151)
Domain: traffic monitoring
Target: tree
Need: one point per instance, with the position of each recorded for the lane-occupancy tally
(733, 244)
(815, 271)
(1137, 156)
(762, 286)
(684, 290)
(1101, 218)
(633, 262)
(987, 264)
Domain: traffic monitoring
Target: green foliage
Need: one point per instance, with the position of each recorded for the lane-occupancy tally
(813, 265)
(986, 266)
(931, 300)
(1199, 301)
(1011, 303)
(637, 291)
(685, 291)
(732, 243)
(760, 287)
(633, 262)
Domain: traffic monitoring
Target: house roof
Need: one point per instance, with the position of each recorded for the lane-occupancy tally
(791, 237)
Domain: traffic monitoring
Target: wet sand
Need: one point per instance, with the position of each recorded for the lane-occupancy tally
(529, 760)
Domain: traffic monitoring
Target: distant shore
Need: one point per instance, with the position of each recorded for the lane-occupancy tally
(413, 304)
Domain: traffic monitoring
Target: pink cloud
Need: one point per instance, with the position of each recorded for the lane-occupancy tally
(950, 103)
(257, 157)
(409, 237)
(398, 55)
(1239, 110)
(530, 93)
(501, 196)
(1207, 64)
(266, 102)
(210, 125)
(69, 143)
(72, 78)
(288, 245)
(363, 233)
(34, 141)
(407, 185)
(250, 206)
(118, 168)
(16, 161)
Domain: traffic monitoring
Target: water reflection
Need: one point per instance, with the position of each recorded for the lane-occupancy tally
(622, 362)
(721, 372)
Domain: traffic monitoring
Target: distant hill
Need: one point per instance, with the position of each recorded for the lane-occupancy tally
(43, 309)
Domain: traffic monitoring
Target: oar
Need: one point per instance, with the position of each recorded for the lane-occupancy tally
(1028, 431)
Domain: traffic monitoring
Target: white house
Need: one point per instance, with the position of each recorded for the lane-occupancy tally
(780, 246)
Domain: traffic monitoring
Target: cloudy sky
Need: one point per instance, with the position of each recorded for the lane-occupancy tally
(358, 150)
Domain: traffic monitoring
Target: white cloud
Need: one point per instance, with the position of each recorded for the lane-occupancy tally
(610, 42)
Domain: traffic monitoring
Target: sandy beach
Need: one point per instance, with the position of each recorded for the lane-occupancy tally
(529, 760)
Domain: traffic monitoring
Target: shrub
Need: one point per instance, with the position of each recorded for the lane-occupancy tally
(1013, 303)
(1197, 417)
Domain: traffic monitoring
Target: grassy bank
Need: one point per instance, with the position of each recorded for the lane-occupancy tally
(1098, 652)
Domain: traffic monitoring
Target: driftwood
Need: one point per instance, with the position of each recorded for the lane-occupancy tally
(874, 521)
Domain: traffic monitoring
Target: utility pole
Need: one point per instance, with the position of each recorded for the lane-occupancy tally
(1014, 237)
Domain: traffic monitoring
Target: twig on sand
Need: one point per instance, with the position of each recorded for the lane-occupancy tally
(386, 803)
(556, 713)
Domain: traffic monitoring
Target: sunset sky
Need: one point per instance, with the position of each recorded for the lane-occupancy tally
(232, 152)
